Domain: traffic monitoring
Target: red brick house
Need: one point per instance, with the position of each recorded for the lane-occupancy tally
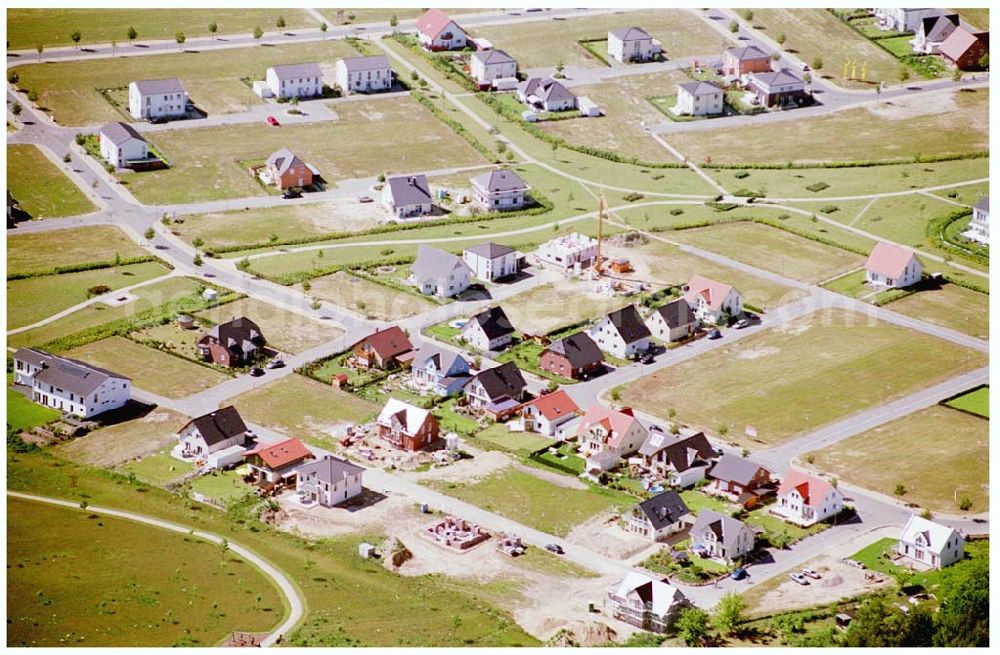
(285, 170)
(963, 49)
(232, 344)
(576, 356)
(406, 426)
(738, 62)
(383, 350)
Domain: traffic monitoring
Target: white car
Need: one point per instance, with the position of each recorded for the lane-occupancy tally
(799, 578)
(809, 573)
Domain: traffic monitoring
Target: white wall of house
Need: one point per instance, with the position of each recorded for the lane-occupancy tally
(446, 287)
(472, 333)
(659, 328)
(119, 154)
(486, 73)
(791, 507)
(293, 87)
(732, 304)
(638, 523)
(911, 275)
(608, 339)
(626, 51)
(156, 104)
(112, 394)
(452, 37)
(703, 104)
(364, 81)
(593, 442)
(499, 201)
(487, 269)
(918, 551)
(328, 494)
(537, 422)
(192, 442)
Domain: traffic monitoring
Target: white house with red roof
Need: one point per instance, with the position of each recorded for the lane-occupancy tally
(806, 499)
(711, 301)
(892, 267)
(437, 31)
(277, 463)
(609, 435)
(547, 413)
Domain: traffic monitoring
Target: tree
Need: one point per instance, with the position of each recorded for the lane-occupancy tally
(180, 38)
(76, 35)
(393, 22)
(40, 48)
(616, 394)
(552, 386)
(879, 624)
(197, 259)
(734, 27)
(900, 489)
(16, 109)
(213, 27)
(197, 242)
(748, 14)
(957, 75)
(150, 233)
(280, 22)
(322, 27)
(781, 38)
(904, 74)
(692, 625)
(257, 33)
(114, 47)
(817, 63)
(132, 34)
(984, 61)
(33, 96)
(729, 613)
(964, 619)
(965, 504)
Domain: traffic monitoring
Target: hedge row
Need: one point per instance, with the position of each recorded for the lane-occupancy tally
(936, 232)
(288, 279)
(89, 266)
(457, 127)
(771, 223)
(439, 64)
(586, 45)
(960, 282)
(861, 163)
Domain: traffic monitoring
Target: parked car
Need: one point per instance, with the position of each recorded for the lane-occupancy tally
(742, 323)
(158, 120)
(272, 121)
(555, 548)
(715, 334)
(805, 66)
(365, 199)
(799, 578)
(739, 573)
(809, 573)
(647, 358)
(256, 372)
(276, 363)
(291, 194)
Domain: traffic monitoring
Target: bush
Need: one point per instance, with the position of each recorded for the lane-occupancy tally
(817, 187)
(676, 211)
(739, 175)
(828, 209)
(97, 290)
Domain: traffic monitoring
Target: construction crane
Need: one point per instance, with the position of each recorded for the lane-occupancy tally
(602, 205)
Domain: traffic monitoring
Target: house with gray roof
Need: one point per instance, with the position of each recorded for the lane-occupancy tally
(488, 331)
(632, 44)
(120, 144)
(439, 273)
(164, 98)
(69, 385)
(720, 537)
(364, 74)
(330, 481)
(737, 62)
(777, 88)
(491, 261)
(575, 356)
(658, 517)
(217, 438)
(546, 94)
(441, 371)
(235, 343)
(699, 99)
(488, 66)
(295, 80)
(932, 31)
(622, 333)
(740, 480)
(407, 196)
(680, 459)
(500, 190)
(498, 391)
(674, 321)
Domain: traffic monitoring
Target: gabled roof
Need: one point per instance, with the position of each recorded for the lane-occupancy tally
(935, 535)
(682, 451)
(615, 422)
(630, 34)
(493, 57)
(432, 263)
(776, 78)
(504, 380)
(119, 133)
(330, 469)
(410, 417)
(579, 349)
(289, 71)
(442, 359)
(545, 89)
(700, 88)
(433, 22)
(490, 250)
(165, 85)
(938, 28)
(237, 332)
(714, 293)
(387, 343)
(889, 259)
(984, 204)
(493, 322)
(664, 509)
(409, 190)
(71, 375)
(735, 469)
(499, 180)
(811, 488)
(279, 455)
(218, 426)
(726, 528)
(748, 53)
(661, 596)
(33, 356)
(357, 64)
(555, 405)
(282, 160)
(961, 41)
(676, 313)
(629, 324)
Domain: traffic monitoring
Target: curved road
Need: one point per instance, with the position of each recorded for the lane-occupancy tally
(289, 590)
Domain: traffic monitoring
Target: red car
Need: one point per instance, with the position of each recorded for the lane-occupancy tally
(271, 120)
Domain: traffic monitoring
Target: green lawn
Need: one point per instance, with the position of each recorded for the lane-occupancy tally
(875, 557)
(697, 501)
(158, 468)
(976, 401)
(533, 501)
(79, 579)
(221, 486)
(855, 363)
(854, 285)
(950, 306)
(36, 252)
(41, 189)
(115, 444)
(499, 436)
(22, 414)
(32, 299)
(564, 457)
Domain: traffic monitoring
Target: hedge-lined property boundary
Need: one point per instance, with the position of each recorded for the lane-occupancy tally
(588, 45)
(936, 232)
(763, 221)
(456, 127)
(89, 266)
(439, 64)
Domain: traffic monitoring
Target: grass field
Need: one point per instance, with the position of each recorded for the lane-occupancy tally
(284, 330)
(948, 122)
(772, 249)
(26, 28)
(40, 188)
(32, 299)
(976, 401)
(40, 251)
(159, 468)
(977, 17)
(533, 501)
(22, 414)
(546, 43)
(854, 365)
(817, 32)
(150, 370)
(327, 572)
(220, 486)
(364, 15)
(375, 301)
(301, 407)
(545, 308)
(499, 436)
(542, 561)
(969, 194)
(109, 446)
(902, 219)
(950, 306)
(391, 135)
(79, 579)
(69, 90)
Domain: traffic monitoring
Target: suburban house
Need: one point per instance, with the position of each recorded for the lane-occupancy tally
(546, 94)
(500, 190)
(622, 333)
(608, 436)
(329, 481)
(488, 330)
(901, 19)
(547, 413)
(285, 170)
(217, 437)
(781, 88)
(295, 80)
(406, 426)
(681, 459)
(384, 350)
(672, 322)
(932, 32)
(807, 499)
(717, 536)
(491, 261)
(699, 99)
(487, 66)
(737, 62)
(497, 391)
(235, 343)
(712, 301)
(164, 98)
(929, 544)
(277, 464)
(438, 32)
(740, 480)
(407, 196)
(979, 225)
(659, 517)
(575, 356)
(69, 385)
(364, 74)
(627, 44)
(645, 602)
(443, 372)
(569, 251)
(964, 48)
(121, 144)
(891, 266)
(439, 273)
